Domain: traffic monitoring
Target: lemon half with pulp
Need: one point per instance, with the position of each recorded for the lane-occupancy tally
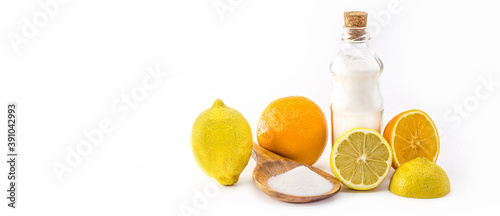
(361, 159)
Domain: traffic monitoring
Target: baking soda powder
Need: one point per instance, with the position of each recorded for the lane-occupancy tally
(300, 181)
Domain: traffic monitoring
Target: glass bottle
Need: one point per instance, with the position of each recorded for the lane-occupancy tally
(356, 99)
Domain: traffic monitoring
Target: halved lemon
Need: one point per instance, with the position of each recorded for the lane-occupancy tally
(412, 134)
(361, 159)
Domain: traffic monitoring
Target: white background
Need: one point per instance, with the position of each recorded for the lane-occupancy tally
(87, 55)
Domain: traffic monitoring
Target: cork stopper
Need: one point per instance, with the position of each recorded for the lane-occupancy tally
(355, 19)
(355, 22)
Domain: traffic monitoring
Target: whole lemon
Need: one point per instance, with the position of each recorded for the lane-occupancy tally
(420, 178)
(293, 127)
(221, 141)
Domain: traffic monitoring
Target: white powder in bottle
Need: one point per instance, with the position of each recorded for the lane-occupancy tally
(356, 98)
(300, 181)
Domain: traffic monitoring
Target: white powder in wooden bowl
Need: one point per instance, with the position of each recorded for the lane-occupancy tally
(300, 181)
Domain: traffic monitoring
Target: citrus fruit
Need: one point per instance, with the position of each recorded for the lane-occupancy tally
(361, 159)
(221, 141)
(420, 178)
(412, 134)
(293, 127)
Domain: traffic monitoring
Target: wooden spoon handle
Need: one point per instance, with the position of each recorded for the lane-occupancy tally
(262, 155)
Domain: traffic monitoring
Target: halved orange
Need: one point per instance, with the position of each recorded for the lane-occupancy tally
(412, 134)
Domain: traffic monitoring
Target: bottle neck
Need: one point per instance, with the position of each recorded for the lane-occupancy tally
(359, 36)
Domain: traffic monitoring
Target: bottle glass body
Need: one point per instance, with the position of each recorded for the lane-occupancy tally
(356, 98)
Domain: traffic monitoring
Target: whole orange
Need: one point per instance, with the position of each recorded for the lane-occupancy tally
(293, 127)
